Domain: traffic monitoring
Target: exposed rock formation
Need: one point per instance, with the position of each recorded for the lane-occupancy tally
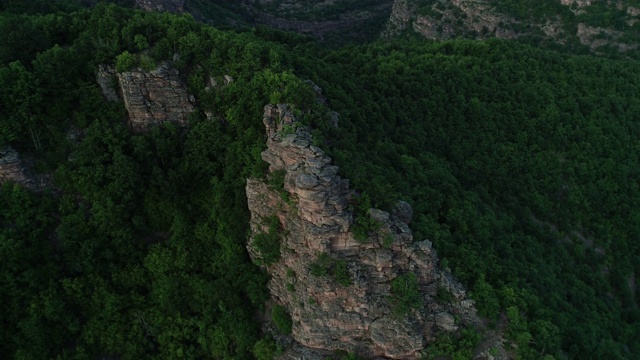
(106, 79)
(161, 5)
(595, 37)
(481, 19)
(150, 97)
(338, 289)
(13, 169)
(448, 19)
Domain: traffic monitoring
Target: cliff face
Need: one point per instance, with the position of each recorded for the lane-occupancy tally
(161, 5)
(150, 97)
(481, 19)
(446, 19)
(13, 169)
(342, 293)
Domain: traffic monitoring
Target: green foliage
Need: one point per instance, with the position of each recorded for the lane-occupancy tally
(487, 299)
(276, 179)
(363, 224)
(265, 349)
(405, 294)
(281, 319)
(20, 97)
(341, 273)
(520, 163)
(459, 346)
(498, 211)
(322, 265)
(288, 129)
(141, 42)
(326, 266)
(268, 243)
(125, 62)
(444, 296)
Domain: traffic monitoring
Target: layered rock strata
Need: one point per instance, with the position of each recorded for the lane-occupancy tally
(150, 97)
(353, 310)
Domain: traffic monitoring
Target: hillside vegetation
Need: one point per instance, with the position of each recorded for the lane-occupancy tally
(521, 165)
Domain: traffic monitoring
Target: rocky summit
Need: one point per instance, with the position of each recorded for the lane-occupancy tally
(342, 291)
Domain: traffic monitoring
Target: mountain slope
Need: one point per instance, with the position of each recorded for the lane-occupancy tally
(521, 166)
(608, 27)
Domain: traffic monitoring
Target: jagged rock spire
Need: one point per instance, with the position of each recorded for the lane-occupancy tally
(338, 290)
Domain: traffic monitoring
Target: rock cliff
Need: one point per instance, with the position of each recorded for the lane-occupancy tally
(150, 97)
(161, 5)
(566, 21)
(14, 169)
(343, 293)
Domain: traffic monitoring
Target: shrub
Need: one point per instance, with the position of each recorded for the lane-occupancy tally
(341, 273)
(405, 294)
(268, 243)
(363, 224)
(281, 319)
(276, 180)
(265, 349)
(125, 62)
(321, 266)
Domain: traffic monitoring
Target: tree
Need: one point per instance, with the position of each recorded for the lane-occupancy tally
(20, 96)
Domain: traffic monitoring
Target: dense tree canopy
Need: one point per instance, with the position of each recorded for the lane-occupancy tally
(521, 165)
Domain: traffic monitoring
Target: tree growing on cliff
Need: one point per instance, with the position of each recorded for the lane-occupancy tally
(405, 294)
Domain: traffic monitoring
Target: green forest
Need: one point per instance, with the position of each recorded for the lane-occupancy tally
(522, 166)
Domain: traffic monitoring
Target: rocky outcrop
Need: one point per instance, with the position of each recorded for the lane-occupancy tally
(337, 289)
(150, 97)
(161, 5)
(579, 3)
(14, 169)
(595, 37)
(447, 19)
(481, 19)
(106, 78)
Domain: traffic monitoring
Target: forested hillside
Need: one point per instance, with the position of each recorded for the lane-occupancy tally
(522, 167)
